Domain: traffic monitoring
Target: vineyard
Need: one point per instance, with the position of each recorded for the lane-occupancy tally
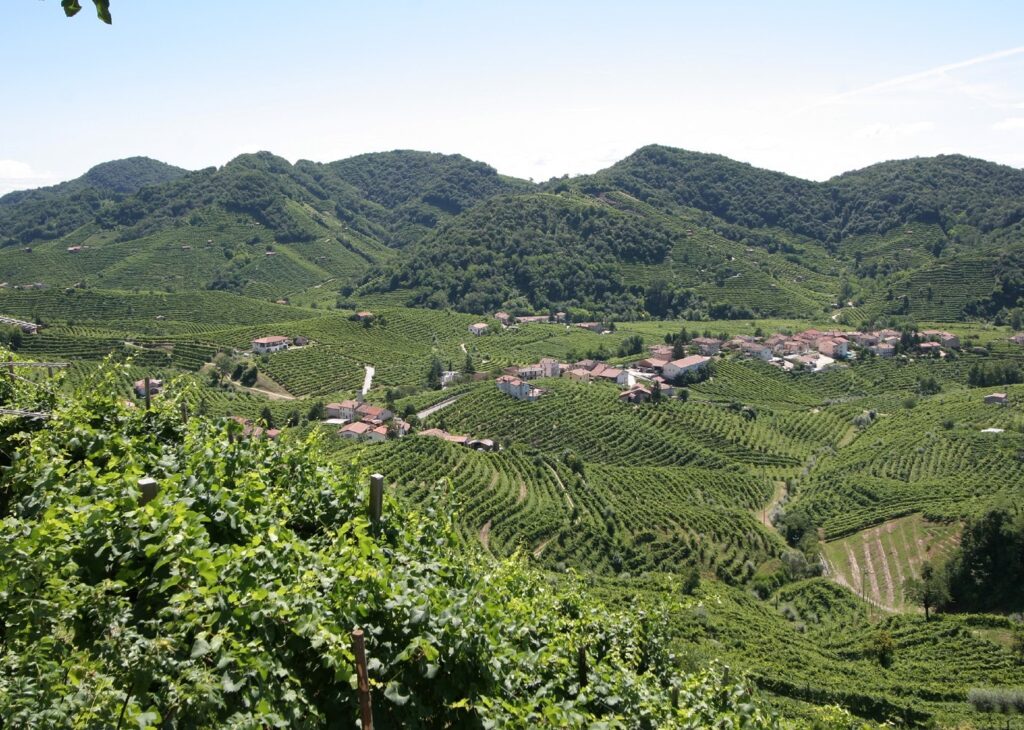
(634, 496)
(875, 562)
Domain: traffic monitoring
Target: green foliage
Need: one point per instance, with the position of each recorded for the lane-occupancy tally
(929, 591)
(228, 599)
(72, 7)
(987, 572)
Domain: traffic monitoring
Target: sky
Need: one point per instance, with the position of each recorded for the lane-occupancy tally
(535, 89)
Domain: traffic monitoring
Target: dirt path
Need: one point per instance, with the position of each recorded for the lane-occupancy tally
(427, 412)
(494, 479)
(872, 574)
(765, 513)
(522, 492)
(568, 497)
(539, 550)
(368, 379)
(889, 595)
(485, 535)
(271, 395)
(462, 345)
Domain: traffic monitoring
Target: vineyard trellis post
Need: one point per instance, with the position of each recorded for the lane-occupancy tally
(581, 666)
(376, 498)
(363, 679)
(146, 382)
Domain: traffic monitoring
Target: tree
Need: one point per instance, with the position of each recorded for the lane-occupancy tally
(467, 366)
(656, 392)
(434, 373)
(882, 647)
(72, 8)
(929, 591)
(267, 417)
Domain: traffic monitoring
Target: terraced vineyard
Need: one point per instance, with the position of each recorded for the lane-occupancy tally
(608, 519)
(874, 563)
(935, 458)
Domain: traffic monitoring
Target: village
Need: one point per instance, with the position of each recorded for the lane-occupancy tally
(668, 368)
(664, 372)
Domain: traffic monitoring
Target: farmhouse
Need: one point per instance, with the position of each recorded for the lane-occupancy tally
(346, 410)
(884, 349)
(366, 412)
(689, 364)
(533, 319)
(503, 317)
(662, 352)
(262, 345)
(251, 430)
(652, 364)
(354, 431)
(837, 347)
(579, 374)
(364, 316)
(997, 398)
(946, 339)
(480, 328)
(380, 433)
(592, 326)
(707, 345)
(636, 394)
(1018, 339)
(155, 386)
(28, 328)
(518, 389)
(756, 349)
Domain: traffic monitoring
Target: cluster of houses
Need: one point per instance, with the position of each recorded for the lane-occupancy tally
(29, 328)
(251, 430)
(363, 422)
(812, 349)
(639, 378)
(275, 343)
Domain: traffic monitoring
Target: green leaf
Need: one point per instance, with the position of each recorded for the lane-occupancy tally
(103, 10)
(71, 7)
(393, 692)
(229, 685)
(200, 648)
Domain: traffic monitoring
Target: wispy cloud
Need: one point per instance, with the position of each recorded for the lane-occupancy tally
(907, 79)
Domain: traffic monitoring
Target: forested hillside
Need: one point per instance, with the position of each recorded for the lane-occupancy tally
(663, 233)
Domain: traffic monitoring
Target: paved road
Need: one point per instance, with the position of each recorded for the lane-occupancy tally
(427, 412)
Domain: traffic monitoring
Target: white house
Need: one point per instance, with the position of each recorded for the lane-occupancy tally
(263, 345)
(480, 328)
(689, 364)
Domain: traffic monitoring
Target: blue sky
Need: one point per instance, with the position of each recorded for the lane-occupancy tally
(537, 89)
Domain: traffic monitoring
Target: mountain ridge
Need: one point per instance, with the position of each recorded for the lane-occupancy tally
(735, 240)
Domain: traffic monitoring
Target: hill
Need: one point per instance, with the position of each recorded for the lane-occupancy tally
(662, 233)
(51, 212)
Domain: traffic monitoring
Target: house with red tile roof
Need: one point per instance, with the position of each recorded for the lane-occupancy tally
(263, 345)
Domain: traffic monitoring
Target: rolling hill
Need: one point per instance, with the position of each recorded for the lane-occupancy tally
(662, 233)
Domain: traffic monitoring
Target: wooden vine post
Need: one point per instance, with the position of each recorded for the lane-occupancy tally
(581, 665)
(376, 498)
(10, 367)
(363, 678)
(146, 381)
